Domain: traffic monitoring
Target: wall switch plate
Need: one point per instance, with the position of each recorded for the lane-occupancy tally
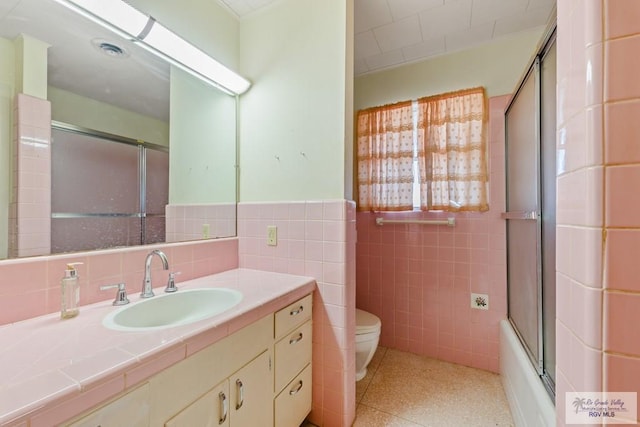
(205, 231)
(480, 301)
(272, 235)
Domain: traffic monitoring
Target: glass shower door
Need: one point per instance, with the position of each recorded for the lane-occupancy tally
(523, 217)
(531, 213)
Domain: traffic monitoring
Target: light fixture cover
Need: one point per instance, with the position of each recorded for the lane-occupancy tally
(128, 22)
(115, 13)
(178, 49)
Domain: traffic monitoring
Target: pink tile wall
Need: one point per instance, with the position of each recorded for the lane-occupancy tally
(30, 207)
(315, 238)
(598, 301)
(418, 278)
(30, 287)
(187, 222)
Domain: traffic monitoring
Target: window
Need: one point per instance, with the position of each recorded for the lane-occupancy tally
(430, 154)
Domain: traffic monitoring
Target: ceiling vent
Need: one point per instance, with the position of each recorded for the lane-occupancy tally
(109, 48)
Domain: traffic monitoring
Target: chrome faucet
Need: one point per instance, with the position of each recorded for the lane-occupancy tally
(147, 289)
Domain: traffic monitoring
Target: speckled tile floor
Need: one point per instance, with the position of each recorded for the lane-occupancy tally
(405, 390)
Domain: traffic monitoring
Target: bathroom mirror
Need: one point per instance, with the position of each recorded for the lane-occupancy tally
(100, 82)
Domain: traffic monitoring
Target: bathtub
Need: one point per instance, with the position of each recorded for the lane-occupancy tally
(529, 402)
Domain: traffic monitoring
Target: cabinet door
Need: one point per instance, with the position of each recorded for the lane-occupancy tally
(252, 393)
(211, 410)
(130, 410)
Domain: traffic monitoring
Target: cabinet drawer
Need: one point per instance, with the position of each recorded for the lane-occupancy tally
(292, 353)
(293, 404)
(293, 315)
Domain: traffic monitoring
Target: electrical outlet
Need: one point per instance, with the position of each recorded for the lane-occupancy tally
(205, 231)
(272, 235)
(480, 301)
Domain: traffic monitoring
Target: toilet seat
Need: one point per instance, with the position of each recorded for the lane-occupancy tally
(366, 322)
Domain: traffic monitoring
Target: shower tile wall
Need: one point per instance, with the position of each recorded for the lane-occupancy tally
(418, 278)
(598, 230)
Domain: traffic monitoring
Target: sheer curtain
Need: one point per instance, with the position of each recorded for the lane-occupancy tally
(385, 158)
(452, 136)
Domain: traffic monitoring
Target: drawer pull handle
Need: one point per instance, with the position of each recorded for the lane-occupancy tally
(296, 389)
(296, 312)
(224, 407)
(296, 339)
(240, 390)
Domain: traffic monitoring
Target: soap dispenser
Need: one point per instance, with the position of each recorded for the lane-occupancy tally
(70, 292)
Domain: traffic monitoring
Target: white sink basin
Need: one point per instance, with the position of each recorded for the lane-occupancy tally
(169, 310)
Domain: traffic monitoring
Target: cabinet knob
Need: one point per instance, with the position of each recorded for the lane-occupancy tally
(296, 389)
(224, 407)
(296, 312)
(296, 339)
(240, 393)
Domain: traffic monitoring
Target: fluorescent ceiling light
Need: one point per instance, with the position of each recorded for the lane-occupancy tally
(128, 22)
(116, 15)
(182, 52)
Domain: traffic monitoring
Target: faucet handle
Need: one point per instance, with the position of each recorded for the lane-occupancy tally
(171, 283)
(121, 296)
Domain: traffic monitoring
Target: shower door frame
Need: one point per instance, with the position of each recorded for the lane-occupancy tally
(534, 215)
(534, 71)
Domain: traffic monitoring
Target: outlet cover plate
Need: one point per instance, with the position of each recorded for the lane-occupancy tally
(272, 235)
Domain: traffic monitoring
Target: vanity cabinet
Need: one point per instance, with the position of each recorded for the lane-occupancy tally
(242, 400)
(238, 357)
(212, 409)
(292, 379)
(257, 376)
(131, 409)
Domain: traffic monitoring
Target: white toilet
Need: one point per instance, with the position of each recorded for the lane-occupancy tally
(367, 335)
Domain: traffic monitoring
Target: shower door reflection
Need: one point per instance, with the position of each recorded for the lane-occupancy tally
(105, 191)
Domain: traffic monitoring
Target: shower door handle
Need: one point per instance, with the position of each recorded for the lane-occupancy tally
(520, 215)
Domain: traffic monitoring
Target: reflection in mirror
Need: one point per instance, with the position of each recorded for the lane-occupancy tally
(95, 81)
(129, 209)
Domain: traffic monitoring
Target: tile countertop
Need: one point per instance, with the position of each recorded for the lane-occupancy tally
(48, 361)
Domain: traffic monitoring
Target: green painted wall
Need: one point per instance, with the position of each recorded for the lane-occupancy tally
(293, 119)
(74, 109)
(203, 143)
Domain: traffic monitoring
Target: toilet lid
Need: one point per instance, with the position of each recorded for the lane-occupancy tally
(366, 322)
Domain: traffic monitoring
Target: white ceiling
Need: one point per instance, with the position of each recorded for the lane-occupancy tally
(390, 33)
